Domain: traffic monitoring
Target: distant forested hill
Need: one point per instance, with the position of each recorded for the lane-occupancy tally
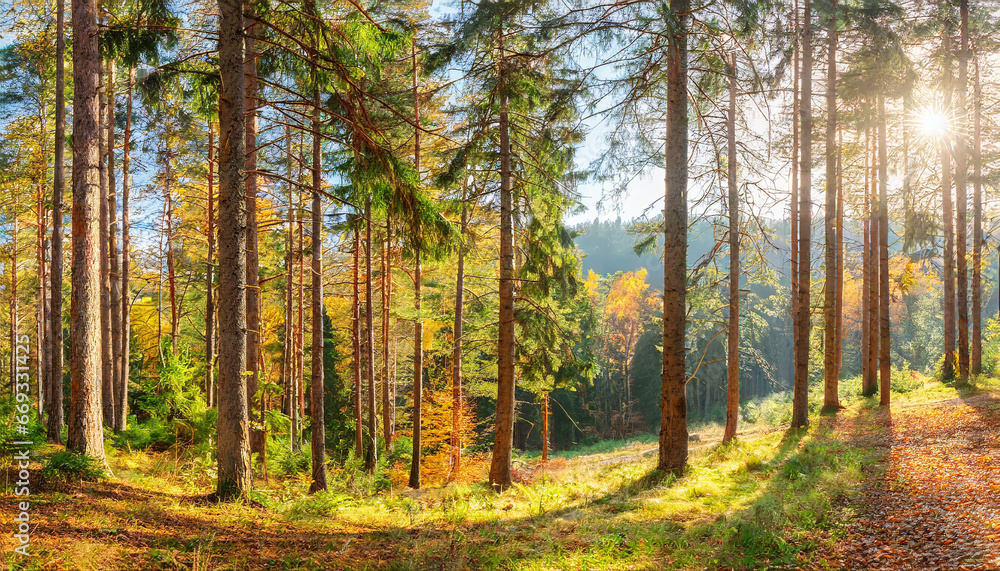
(608, 247)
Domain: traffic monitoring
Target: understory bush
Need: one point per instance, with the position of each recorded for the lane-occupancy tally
(170, 409)
(67, 467)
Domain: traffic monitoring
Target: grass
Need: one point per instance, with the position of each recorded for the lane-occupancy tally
(773, 498)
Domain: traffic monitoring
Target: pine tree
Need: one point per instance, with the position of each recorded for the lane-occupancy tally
(831, 399)
(233, 450)
(800, 405)
(85, 433)
(733, 354)
(54, 392)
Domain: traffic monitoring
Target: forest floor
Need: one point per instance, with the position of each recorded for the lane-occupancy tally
(912, 487)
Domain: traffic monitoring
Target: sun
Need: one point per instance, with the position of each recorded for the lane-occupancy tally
(933, 123)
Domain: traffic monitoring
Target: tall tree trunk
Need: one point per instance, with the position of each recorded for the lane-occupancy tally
(85, 432)
(456, 354)
(503, 441)
(873, 267)
(673, 438)
(234, 424)
(115, 267)
(961, 195)
(867, 387)
(977, 225)
(316, 388)
(300, 329)
(545, 427)
(840, 258)
(168, 215)
(885, 372)
(418, 324)
(371, 452)
(13, 293)
(55, 389)
(253, 258)
(42, 366)
(831, 398)
(296, 403)
(800, 391)
(387, 411)
(42, 358)
(793, 208)
(121, 403)
(210, 274)
(159, 289)
(948, 372)
(418, 374)
(359, 444)
(733, 355)
(288, 357)
(107, 378)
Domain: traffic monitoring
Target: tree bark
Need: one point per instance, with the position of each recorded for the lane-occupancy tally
(873, 267)
(288, 356)
(800, 390)
(961, 195)
(42, 366)
(316, 389)
(168, 216)
(233, 424)
(300, 329)
(545, 427)
(418, 324)
(456, 355)
(42, 359)
(257, 440)
(115, 267)
(867, 386)
(503, 441)
(418, 376)
(793, 208)
(733, 355)
(55, 390)
(840, 257)
(673, 438)
(977, 225)
(359, 444)
(210, 274)
(948, 372)
(387, 409)
(371, 452)
(885, 371)
(121, 404)
(831, 398)
(85, 432)
(13, 293)
(107, 362)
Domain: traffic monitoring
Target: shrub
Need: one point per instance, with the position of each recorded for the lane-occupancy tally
(170, 409)
(176, 392)
(66, 466)
(904, 380)
(283, 461)
(10, 428)
(140, 436)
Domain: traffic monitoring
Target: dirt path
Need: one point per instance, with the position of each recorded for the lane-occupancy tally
(935, 502)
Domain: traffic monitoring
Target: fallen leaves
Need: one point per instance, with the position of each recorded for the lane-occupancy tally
(936, 506)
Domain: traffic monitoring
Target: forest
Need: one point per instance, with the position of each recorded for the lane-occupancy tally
(499, 284)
